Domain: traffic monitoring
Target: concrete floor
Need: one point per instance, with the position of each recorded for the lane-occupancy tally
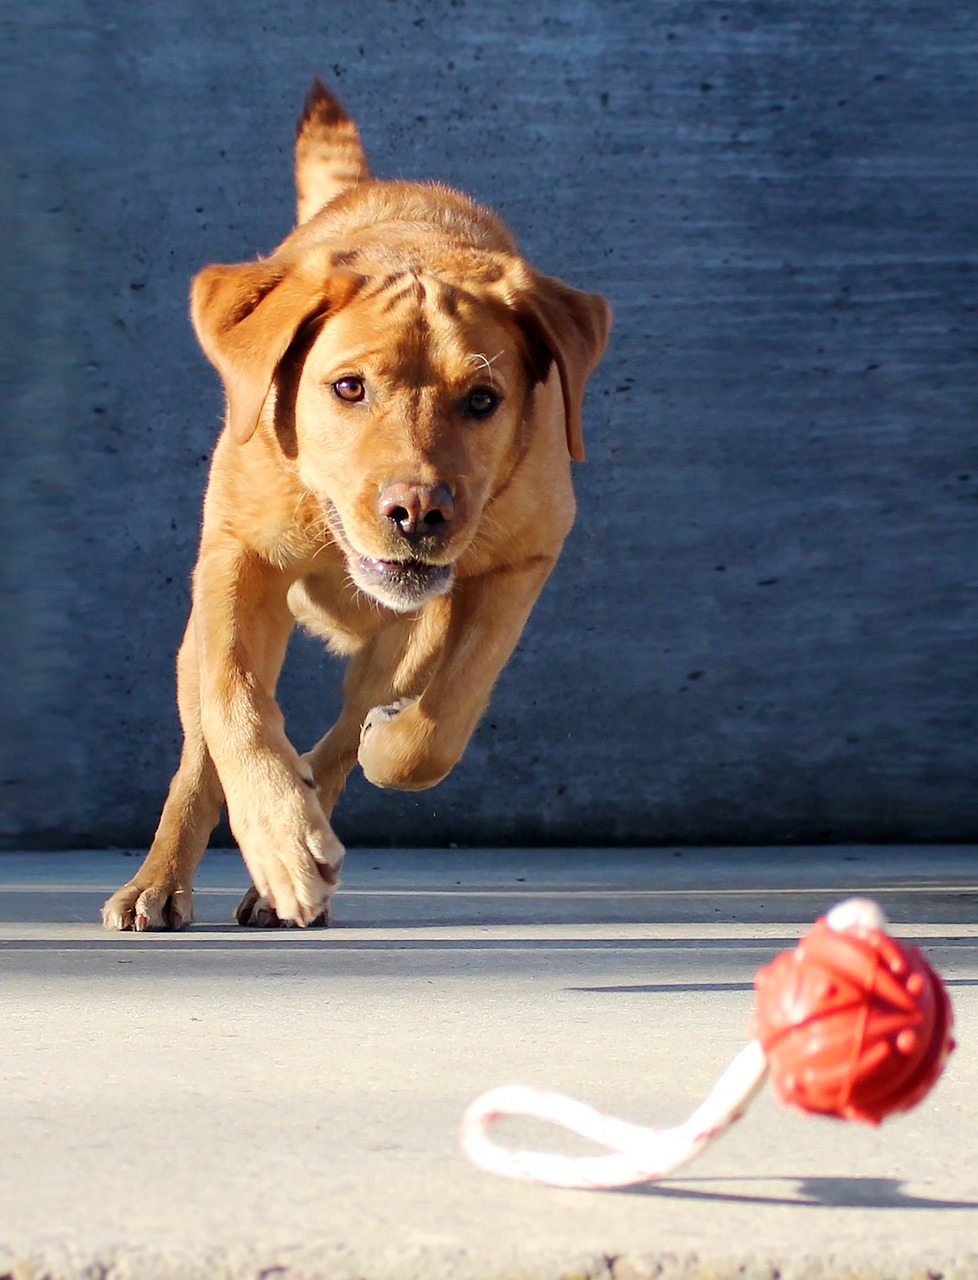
(232, 1103)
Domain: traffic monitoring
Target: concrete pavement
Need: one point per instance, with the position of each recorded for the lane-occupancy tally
(232, 1103)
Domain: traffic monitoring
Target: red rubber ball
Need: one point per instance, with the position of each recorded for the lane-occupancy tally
(854, 1024)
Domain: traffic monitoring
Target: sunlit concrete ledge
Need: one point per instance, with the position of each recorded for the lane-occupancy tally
(236, 1103)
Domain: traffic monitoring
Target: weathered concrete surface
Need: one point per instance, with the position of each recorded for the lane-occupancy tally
(231, 1103)
(764, 626)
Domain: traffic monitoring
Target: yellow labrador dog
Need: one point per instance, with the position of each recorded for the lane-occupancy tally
(403, 402)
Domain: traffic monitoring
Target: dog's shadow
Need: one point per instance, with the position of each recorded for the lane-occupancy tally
(820, 1193)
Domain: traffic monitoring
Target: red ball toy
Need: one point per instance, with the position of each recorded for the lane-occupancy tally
(854, 1024)
(851, 1024)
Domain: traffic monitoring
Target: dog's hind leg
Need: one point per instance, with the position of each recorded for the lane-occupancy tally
(159, 896)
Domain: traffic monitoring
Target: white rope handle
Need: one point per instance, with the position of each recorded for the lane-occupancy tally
(639, 1154)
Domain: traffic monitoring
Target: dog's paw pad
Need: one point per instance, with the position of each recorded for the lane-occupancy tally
(385, 714)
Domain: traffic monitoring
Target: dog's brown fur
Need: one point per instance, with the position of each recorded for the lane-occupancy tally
(403, 400)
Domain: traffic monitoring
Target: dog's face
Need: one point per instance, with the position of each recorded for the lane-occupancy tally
(408, 416)
(402, 397)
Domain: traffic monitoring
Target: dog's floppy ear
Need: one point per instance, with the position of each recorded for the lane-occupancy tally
(245, 317)
(571, 328)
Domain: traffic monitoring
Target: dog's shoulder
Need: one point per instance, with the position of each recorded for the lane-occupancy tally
(402, 216)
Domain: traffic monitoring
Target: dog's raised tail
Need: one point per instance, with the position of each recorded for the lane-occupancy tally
(328, 154)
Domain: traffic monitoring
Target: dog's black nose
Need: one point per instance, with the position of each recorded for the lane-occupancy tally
(417, 508)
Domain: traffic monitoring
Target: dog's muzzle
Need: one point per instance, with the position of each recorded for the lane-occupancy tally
(401, 585)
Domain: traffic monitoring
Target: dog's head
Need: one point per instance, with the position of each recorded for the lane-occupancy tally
(402, 389)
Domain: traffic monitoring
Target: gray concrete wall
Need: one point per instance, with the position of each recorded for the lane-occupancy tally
(764, 625)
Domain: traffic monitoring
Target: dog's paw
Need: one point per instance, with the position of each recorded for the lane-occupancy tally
(291, 851)
(256, 912)
(139, 907)
(400, 747)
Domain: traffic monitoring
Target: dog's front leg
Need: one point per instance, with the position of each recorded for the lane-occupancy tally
(160, 894)
(242, 628)
(412, 744)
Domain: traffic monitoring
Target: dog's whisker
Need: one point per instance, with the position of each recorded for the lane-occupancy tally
(486, 362)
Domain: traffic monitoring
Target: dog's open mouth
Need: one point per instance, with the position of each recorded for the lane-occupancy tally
(411, 576)
(402, 585)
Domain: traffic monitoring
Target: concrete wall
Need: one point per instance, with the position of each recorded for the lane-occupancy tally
(764, 627)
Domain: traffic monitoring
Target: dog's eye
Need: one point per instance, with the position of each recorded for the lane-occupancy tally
(349, 389)
(481, 402)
